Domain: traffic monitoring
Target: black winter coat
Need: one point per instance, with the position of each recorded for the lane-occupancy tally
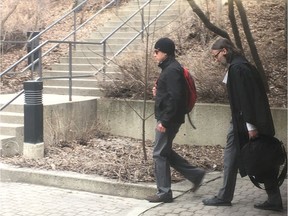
(248, 102)
(170, 95)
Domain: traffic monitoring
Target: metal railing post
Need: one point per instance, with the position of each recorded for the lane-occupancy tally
(104, 60)
(142, 24)
(74, 32)
(40, 64)
(70, 71)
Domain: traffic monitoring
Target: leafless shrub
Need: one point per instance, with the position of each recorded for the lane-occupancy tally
(191, 39)
(132, 85)
(61, 132)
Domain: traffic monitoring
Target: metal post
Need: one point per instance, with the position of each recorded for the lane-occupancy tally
(40, 64)
(33, 120)
(142, 24)
(104, 60)
(70, 71)
(74, 32)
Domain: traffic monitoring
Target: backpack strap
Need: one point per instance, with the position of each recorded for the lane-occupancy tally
(190, 121)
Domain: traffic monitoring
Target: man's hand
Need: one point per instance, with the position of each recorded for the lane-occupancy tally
(253, 134)
(160, 128)
(154, 89)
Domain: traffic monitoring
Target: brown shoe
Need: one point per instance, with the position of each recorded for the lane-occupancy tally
(166, 198)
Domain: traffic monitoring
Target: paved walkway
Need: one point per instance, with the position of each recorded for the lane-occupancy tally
(20, 199)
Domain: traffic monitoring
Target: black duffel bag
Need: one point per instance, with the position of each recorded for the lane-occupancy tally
(264, 156)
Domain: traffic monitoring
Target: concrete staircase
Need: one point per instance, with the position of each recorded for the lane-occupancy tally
(11, 130)
(87, 59)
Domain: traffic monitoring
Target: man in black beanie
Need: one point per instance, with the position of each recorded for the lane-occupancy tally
(170, 96)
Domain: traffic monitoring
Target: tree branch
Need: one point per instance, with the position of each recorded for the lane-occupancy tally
(251, 43)
(234, 26)
(206, 21)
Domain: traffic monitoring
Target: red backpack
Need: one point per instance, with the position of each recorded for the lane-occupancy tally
(191, 93)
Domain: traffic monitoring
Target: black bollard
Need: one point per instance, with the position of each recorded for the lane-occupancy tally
(33, 112)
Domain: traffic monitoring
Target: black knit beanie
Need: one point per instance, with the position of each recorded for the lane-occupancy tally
(165, 45)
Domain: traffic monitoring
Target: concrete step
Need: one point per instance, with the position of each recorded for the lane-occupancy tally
(11, 117)
(18, 108)
(113, 39)
(149, 13)
(76, 67)
(95, 36)
(99, 76)
(82, 60)
(75, 82)
(79, 91)
(92, 82)
(82, 69)
(11, 129)
(92, 53)
(112, 47)
(136, 20)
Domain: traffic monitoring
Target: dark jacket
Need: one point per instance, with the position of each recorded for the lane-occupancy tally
(248, 102)
(170, 96)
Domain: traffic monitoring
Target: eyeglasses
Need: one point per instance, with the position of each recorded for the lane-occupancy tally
(156, 51)
(216, 55)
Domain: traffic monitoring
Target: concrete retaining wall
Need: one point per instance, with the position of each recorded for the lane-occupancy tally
(211, 121)
(120, 118)
(69, 120)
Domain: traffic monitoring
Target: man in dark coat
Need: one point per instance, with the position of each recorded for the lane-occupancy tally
(251, 117)
(170, 103)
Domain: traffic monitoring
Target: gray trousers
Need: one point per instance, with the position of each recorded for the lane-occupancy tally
(164, 157)
(230, 175)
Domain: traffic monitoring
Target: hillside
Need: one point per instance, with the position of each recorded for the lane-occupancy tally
(268, 31)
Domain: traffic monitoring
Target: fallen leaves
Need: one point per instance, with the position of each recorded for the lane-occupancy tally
(117, 158)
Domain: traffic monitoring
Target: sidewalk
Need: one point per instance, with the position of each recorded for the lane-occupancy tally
(39, 198)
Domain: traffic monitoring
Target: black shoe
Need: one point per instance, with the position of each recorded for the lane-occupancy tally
(267, 206)
(198, 182)
(215, 201)
(166, 198)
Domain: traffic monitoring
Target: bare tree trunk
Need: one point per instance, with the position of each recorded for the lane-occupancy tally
(234, 25)
(251, 43)
(206, 21)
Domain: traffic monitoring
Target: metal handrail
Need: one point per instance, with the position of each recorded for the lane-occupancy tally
(67, 36)
(125, 22)
(57, 21)
(136, 36)
(103, 42)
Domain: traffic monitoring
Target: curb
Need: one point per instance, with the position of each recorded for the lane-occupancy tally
(84, 182)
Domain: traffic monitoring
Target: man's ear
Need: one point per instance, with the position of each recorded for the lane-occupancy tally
(225, 51)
